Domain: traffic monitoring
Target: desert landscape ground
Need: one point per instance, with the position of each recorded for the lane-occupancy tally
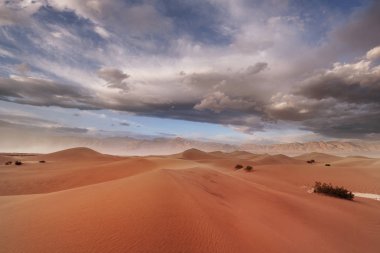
(83, 201)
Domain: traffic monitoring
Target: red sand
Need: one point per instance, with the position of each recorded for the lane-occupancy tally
(196, 202)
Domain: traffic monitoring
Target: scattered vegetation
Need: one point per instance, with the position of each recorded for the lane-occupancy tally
(311, 161)
(42, 161)
(8, 163)
(327, 164)
(18, 162)
(248, 168)
(334, 191)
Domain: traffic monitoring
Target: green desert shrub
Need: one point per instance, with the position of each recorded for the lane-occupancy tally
(334, 191)
(248, 168)
(238, 166)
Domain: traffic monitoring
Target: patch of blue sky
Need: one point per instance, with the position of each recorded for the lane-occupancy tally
(200, 20)
(123, 123)
(181, 128)
(319, 16)
(70, 21)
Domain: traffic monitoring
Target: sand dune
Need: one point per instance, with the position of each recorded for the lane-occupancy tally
(4, 159)
(195, 154)
(44, 178)
(75, 154)
(356, 161)
(242, 155)
(168, 204)
(318, 157)
(274, 159)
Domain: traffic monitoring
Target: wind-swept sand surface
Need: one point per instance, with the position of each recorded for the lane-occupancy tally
(83, 201)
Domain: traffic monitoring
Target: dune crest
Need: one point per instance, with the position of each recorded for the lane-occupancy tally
(196, 154)
(319, 157)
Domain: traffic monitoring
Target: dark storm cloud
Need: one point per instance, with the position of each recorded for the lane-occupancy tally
(357, 83)
(343, 101)
(359, 34)
(343, 90)
(42, 92)
(356, 124)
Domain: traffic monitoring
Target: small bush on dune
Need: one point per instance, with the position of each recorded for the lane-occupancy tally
(327, 164)
(42, 161)
(18, 163)
(330, 190)
(8, 163)
(238, 166)
(248, 168)
(311, 161)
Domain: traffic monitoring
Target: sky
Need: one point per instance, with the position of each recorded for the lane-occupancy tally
(230, 71)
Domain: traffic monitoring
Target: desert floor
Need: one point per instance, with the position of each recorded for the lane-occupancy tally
(83, 201)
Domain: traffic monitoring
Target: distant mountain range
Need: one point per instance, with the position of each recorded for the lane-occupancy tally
(320, 146)
(176, 145)
(45, 143)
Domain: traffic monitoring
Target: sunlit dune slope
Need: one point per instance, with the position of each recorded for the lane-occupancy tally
(319, 157)
(195, 154)
(167, 204)
(75, 154)
(275, 159)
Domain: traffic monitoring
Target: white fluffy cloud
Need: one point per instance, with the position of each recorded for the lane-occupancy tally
(373, 54)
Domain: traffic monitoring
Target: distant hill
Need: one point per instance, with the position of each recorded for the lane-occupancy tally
(164, 146)
(332, 147)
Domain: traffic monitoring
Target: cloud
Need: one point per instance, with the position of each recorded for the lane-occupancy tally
(115, 78)
(218, 102)
(138, 19)
(69, 130)
(342, 102)
(352, 83)
(23, 68)
(355, 36)
(17, 12)
(10, 17)
(102, 32)
(373, 54)
(243, 64)
(348, 123)
(37, 124)
(26, 120)
(257, 68)
(44, 92)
